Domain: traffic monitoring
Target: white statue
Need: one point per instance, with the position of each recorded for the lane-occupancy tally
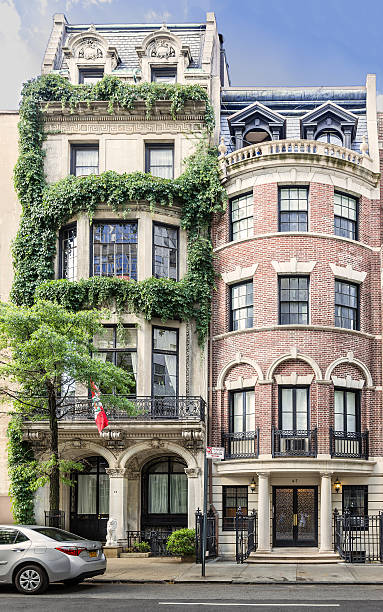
(111, 532)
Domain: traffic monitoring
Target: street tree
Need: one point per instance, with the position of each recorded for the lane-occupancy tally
(42, 347)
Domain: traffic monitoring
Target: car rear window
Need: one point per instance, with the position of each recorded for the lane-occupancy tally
(58, 534)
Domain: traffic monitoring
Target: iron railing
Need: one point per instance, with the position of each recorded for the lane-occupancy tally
(211, 535)
(294, 442)
(241, 444)
(157, 540)
(245, 535)
(139, 408)
(358, 539)
(344, 444)
(55, 518)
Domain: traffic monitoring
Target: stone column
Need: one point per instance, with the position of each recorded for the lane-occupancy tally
(133, 516)
(263, 512)
(325, 513)
(194, 483)
(118, 498)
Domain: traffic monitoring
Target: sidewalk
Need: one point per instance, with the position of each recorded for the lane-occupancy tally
(167, 570)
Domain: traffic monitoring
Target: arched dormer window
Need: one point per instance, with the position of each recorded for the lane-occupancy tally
(330, 123)
(89, 56)
(163, 57)
(255, 124)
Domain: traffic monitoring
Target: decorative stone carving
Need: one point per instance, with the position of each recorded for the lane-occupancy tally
(90, 50)
(191, 434)
(111, 532)
(364, 146)
(116, 472)
(156, 443)
(113, 434)
(161, 48)
(222, 148)
(132, 475)
(192, 472)
(347, 382)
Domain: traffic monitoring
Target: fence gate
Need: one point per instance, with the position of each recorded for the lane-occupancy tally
(211, 535)
(358, 539)
(245, 535)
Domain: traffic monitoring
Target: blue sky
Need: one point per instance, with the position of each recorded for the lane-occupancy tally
(268, 42)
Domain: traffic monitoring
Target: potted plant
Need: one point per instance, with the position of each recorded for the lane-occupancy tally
(181, 543)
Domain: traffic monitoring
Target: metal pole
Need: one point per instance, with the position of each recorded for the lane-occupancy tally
(204, 520)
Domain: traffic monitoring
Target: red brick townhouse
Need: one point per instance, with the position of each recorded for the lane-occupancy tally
(296, 332)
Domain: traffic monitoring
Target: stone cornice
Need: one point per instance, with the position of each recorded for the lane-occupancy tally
(268, 466)
(324, 328)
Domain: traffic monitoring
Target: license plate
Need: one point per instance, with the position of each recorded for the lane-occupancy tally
(93, 553)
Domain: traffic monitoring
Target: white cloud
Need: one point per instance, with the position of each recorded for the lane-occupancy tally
(85, 3)
(156, 16)
(19, 61)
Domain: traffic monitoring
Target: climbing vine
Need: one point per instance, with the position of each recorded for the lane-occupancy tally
(46, 208)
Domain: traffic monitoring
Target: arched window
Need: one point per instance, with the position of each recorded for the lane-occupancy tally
(255, 137)
(331, 137)
(165, 493)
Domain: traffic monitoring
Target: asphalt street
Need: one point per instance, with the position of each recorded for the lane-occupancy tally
(203, 597)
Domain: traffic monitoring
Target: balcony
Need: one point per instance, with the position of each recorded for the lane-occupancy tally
(351, 445)
(142, 408)
(241, 445)
(274, 151)
(294, 443)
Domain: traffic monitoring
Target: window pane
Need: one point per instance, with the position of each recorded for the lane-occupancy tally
(346, 305)
(68, 240)
(87, 494)
(115, 250)
(160, 161)
(339, 411)
(242, 217)
(293, 205)
(165, 251)
(242, 306)
(287, 409)
(293, 300)
(158, 494)
(164, 374)
(178, 493)
(164, 339)
(301, 408)
(85, 161)
(250, 411)
(238, 406)
(345, 216)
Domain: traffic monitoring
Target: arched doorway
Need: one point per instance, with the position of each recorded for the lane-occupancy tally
(164, 494)
(90, 500)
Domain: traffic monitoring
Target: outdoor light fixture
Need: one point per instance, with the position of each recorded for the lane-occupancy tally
(337, 485)
(252, 485)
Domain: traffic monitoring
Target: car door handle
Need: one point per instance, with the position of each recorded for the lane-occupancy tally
(18, 549)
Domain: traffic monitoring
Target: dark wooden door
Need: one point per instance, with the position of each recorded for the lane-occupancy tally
(295, 516)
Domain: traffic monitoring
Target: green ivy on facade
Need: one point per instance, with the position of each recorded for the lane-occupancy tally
(47, 207)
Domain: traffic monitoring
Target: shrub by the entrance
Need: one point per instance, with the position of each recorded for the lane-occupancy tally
(182, 542)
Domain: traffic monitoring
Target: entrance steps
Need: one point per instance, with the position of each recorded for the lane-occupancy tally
(294, 555)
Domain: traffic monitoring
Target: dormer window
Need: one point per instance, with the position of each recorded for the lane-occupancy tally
(90, 76)
(164, 75)
(331, 137)
(330, 123)
(255, 137)
(255, 124)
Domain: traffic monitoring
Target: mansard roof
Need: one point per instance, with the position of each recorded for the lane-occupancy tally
(329, 108)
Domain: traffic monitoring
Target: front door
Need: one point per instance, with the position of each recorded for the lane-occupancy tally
(90, 500)
(295, 516)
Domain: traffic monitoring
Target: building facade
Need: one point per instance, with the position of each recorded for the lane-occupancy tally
(296, 331)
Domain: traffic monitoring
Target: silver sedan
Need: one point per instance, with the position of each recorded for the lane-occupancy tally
(32, 556)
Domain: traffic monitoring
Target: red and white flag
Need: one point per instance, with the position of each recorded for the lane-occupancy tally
(98, 409)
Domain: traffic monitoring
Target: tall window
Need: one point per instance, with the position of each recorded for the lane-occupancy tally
(84, 160)
(167, 487)
(118, 346)
(345, 216)
(115, 250)
(293, 206)
(293, 300)
(233, 498)
(346, 305)
(294, 408)
(164, 75)
(346, 409)
(92, 488)
(165, 362)
(242, 411)
(68, 252)
(159, 160)
(165, 251)
(241, 311)
(242, 221)
(90, 76)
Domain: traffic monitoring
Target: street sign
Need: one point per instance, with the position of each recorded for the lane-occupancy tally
(215, 452)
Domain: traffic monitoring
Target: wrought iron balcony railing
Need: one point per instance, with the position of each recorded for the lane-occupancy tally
(140, 408)
(351, 445)
(294, 442)
(241, 444)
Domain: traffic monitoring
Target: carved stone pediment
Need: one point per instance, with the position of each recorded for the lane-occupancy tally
(90, 50)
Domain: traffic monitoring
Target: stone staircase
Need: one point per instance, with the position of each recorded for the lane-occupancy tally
(294, 555)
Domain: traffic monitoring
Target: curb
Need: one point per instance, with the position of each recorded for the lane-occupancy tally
(237, 582)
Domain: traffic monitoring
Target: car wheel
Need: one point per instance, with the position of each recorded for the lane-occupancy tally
(73, 581)
(31, 580)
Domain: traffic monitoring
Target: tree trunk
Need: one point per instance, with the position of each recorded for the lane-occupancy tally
(54, 482)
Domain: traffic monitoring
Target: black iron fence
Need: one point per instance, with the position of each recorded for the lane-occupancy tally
(245, 535)
(157, 540)
(55, 518)
(147, 408)
(211, 535)
(358, 539)
(241, 444)
(294, 442)
(344, 444)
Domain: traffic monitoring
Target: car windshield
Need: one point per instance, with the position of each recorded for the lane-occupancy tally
(58, 534)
